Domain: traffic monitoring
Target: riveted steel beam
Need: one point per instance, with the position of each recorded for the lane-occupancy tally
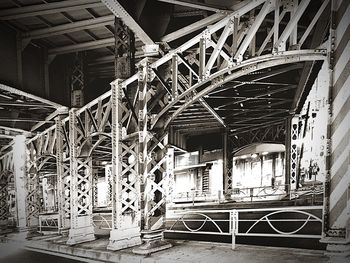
(47, 8)
(68, 28)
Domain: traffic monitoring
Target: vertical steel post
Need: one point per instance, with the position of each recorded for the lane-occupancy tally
(202, 57)
(77, 81)
(32, 186)
(125, 182)
(19, 154)
(174, 76)
(81, 229)
(152, 170)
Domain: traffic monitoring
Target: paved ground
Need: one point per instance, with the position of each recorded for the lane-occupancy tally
(14, 253)
(182, 251)
(205, 252)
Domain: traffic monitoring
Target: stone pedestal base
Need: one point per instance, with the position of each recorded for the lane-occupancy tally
(153, 242)
(4, 227)
(80, 235)
(338, 249)
(64, 231)
(124, 238)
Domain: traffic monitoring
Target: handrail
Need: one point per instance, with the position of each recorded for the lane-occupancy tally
(196, 222)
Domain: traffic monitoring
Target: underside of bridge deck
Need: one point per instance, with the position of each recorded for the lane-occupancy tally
(134, 120)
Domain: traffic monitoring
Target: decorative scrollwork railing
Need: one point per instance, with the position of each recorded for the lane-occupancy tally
(291, 222)
(202, 222)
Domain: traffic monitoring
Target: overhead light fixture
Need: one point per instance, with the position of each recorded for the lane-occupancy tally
(244, 156)
(264, 153)
(254, 155)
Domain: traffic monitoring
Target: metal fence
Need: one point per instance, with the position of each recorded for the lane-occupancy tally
(291, 222)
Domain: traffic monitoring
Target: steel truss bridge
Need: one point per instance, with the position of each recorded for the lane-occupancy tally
(132, 125)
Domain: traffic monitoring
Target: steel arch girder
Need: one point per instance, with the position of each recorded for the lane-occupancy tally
(241, 69)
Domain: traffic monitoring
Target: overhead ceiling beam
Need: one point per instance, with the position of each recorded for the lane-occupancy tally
(49, 118)
(119, 11)
(4, 119)
(212, 111)
(197, 6)
(257, 96)
(48, 8)
(6, 136)
(255, 127)
(111, 58)
(266, 75)
(69, 28)
(22, 104)
(192, 28)
(10, 129)
(28, 95)
(82, 46)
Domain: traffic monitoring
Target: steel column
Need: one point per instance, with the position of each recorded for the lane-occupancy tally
(227, 164)
(32, 186)
(81, 228)
(63, 181)
(152, 170)
(125, 180)
(294, 153)
(19, 154)
(77, 81)
(4, 207)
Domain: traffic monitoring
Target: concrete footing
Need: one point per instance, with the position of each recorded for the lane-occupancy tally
(80, 235)
(182, 251)
(124, 238)
(153, 242)
(338, 249)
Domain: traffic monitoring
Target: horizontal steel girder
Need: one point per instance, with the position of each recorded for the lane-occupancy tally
(82, 46)
(69, 27)
(48, 8)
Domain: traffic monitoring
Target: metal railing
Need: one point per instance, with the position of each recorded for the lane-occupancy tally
(291, 222)
(251, 194)
(48, 223)
(196, 195)
(260, 193)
